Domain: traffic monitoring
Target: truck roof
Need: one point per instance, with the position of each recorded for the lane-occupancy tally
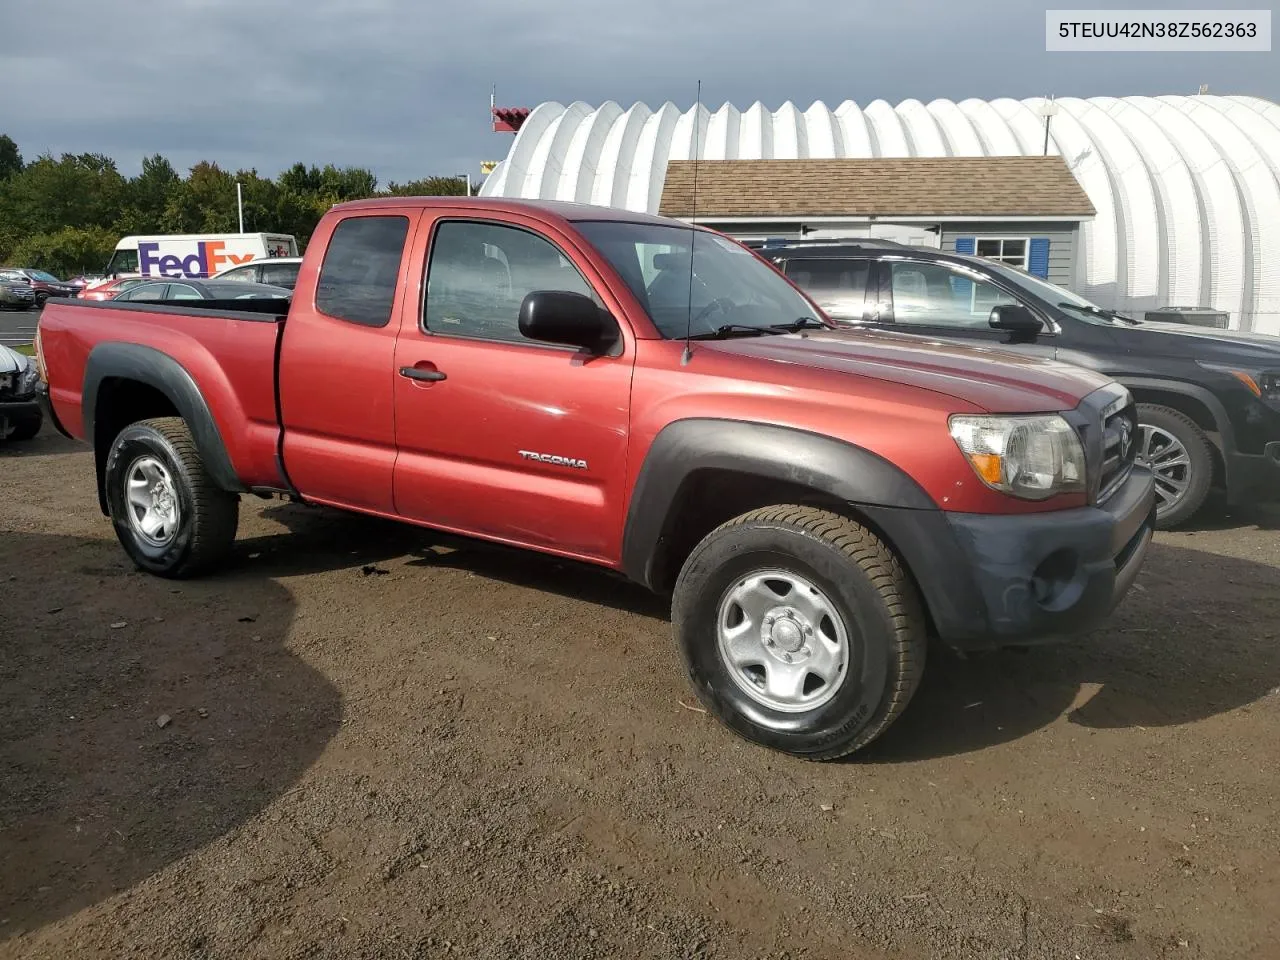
(562, 209)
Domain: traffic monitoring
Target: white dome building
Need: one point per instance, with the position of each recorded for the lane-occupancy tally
(1185, 190)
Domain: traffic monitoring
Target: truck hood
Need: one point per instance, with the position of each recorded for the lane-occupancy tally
(993, 379)
(1201, 343)
(11, 361)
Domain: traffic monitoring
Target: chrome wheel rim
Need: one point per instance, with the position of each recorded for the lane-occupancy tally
(782, 641)
(151, 502)
(1170, 465)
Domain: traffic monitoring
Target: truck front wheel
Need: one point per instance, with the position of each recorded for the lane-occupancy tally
(799, 630)
(169, 515)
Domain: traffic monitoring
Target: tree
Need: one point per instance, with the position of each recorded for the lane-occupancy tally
(147, 196)
(64, 214)
(82, 190)
(203, 203)
(430, 187)
(10, 158)
(66, 252)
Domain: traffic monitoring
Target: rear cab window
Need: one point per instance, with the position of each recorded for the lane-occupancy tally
(361, 269)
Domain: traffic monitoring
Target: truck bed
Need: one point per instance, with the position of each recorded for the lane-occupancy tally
(230, 351)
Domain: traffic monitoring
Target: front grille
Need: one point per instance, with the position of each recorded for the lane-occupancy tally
(1119, 446)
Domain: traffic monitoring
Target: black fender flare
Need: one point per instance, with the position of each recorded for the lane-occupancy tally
(1226, 434)
(832, 467)
(132, 361)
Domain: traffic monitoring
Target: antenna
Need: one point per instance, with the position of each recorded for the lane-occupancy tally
(693, 223)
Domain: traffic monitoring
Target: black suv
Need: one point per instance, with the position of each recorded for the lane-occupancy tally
(1208, 400)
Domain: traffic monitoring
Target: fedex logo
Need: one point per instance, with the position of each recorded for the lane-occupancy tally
(208, 259)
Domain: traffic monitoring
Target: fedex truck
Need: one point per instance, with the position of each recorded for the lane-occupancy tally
(195, 256)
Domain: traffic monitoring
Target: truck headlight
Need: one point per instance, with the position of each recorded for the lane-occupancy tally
(1263, 384)
(1031, 457)
(28, 378)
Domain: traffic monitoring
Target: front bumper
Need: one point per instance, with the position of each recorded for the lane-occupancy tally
(1009, 580)
(46, 408)
(1254, 478)
(16, 412)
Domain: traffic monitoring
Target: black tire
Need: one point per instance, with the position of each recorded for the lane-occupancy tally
(207, 515)
(27, 429)
(41, 298)
(1199, 473)
(867, 587)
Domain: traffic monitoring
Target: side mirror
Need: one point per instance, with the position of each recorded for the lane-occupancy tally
(1015, 319)
(558, 316)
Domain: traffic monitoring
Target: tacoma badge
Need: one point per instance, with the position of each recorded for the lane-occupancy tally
(558, 461)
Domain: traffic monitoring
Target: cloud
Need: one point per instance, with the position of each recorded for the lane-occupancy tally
(402, 87)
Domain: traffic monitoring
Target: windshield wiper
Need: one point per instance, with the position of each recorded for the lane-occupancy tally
(798, 324)
(726, 330)
(1099, 312)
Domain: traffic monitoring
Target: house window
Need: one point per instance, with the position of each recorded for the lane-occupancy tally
(1010, 250)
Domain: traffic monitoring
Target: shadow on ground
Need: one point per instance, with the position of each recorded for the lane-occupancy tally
(1197, 637)
(47, 443)
(97, 792)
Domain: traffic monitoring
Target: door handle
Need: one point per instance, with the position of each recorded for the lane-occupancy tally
(416, 373)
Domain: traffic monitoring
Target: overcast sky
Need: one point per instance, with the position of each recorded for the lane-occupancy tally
(402, 87)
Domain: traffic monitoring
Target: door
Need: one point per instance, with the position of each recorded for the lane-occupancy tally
(500, 436)
(335, 381)
(944, 302)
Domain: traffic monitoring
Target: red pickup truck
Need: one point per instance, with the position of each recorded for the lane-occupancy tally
(643, 395)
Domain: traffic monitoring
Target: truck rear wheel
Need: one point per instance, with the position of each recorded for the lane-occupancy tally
(799, 630)
(169, 515)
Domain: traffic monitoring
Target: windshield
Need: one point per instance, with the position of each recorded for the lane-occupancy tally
(730, 285)
(1054, 294)
(122, 261)
(41, 275)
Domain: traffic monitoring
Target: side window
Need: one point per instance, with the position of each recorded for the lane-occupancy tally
(480, 273)
(144, 291)
(180, 291)
(280, 274)
(245, 274)
(1010, 250)
(123, 261)
(933, 294)
(839, 286)
(358, 277)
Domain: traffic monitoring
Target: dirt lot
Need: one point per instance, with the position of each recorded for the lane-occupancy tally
(379, 746)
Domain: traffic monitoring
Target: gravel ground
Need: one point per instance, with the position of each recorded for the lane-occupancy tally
(362, 741)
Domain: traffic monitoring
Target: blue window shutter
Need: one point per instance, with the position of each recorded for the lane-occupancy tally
(1038, 258)
(966, 244)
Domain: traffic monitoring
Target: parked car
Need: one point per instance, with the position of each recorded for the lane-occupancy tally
(43, 283)
(278, 271)
(549, 376)
(108, 289)
(16, 295)
(203, 290)
(20, 412)
(1208, 400)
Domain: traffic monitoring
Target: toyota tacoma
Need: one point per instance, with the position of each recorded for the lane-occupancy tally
(643, 395)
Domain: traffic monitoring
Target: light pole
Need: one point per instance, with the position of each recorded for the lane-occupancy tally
(1047, 110)
(467, 177)
(240, 205)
